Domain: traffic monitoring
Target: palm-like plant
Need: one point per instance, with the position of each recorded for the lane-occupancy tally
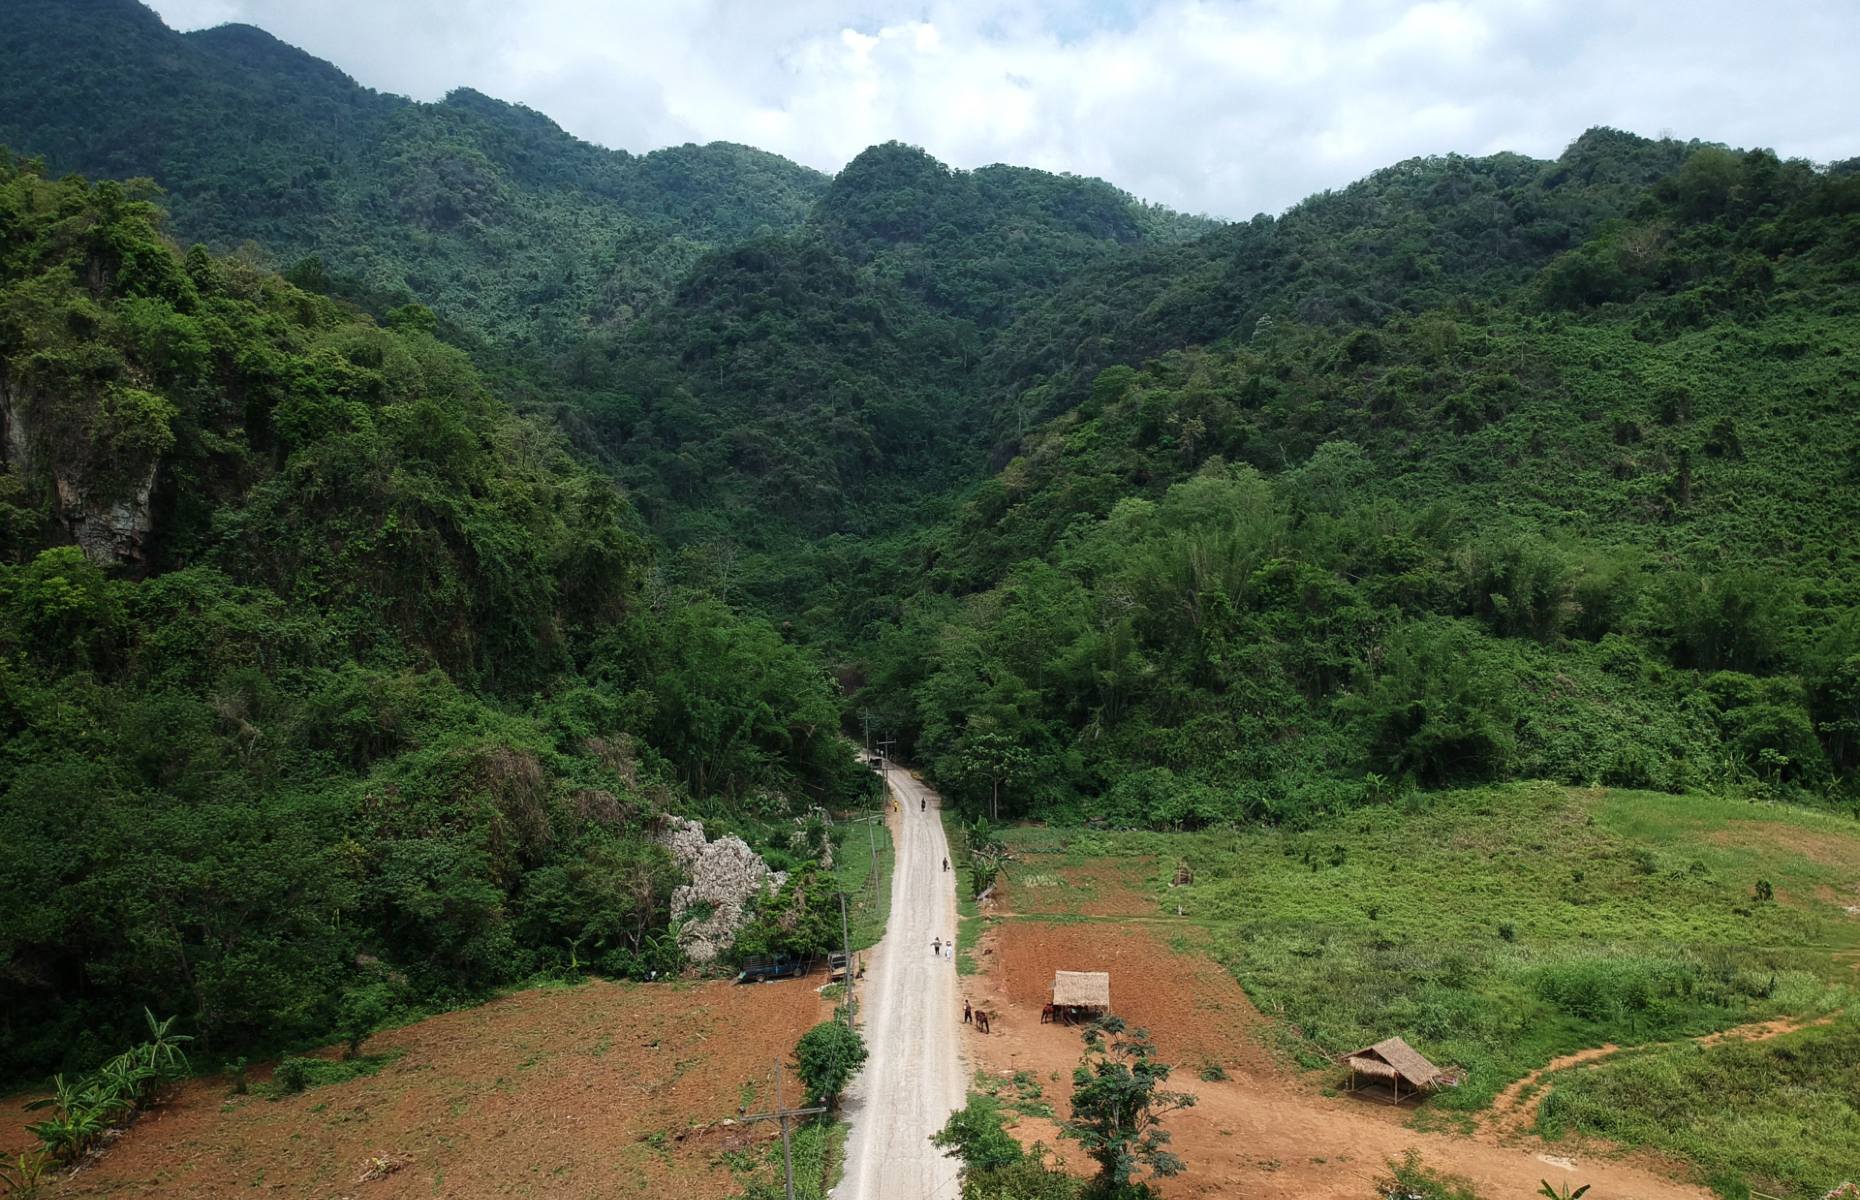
(162, 1053)
(83, 1110)
(1544, 1189)
(22, 1174)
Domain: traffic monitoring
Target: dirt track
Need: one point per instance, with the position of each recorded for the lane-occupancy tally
(913, 1079)
(1511, 1114)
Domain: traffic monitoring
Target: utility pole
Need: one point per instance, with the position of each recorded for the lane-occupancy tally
(884, 762)
(783, 1115)
(871, 837)
(846, 944)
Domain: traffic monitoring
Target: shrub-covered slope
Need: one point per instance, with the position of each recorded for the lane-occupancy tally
(1595, 527)
(354, 694)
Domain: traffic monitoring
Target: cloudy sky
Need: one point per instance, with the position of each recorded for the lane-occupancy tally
(1226, 108)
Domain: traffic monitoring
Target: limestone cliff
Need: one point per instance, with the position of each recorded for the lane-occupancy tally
(102, 497)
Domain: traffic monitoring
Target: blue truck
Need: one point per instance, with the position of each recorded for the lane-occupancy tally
(773, 966)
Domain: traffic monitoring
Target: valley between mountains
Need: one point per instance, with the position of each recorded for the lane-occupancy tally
(469, 596)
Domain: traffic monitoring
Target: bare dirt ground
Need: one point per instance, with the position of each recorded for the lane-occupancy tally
(1092, 889)
(1266, 1131)
(913, 1079)
(587, 1091)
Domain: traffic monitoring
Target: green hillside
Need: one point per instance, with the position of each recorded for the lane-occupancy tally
(1594, 526)
(504, 224)
(361, 620)
(357, 694)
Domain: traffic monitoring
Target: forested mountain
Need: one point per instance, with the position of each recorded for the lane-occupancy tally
(1590, 523)
(738, 328)
(358, 691)
(829, 380)
(489, 213)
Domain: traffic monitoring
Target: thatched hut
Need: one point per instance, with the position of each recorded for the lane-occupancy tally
(1081, 995)
(1395, 1063)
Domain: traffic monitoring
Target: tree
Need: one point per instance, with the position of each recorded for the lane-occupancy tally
(993, 758)
(1118, 1104)
(976, 1133)
(361, 1011)
(826, 1057)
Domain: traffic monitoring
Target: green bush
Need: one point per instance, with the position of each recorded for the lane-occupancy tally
(1409, 1179)
(826, 1058)
(293, 1075)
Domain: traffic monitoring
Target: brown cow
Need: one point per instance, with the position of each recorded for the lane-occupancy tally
(981, 1021)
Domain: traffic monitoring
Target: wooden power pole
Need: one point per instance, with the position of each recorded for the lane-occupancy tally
(783, 1115)
(846, 948)
(884, 762)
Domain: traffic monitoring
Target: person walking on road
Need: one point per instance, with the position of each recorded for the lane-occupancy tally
(949, 950)
(936, 947)
(923, 805)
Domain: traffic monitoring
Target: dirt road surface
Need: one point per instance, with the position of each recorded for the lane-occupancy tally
(913, 1079)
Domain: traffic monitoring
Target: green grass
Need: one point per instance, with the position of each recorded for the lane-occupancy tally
(869, 904)
(1497, 928)
(969, 920)
(1019, 1092)
(819, 1150)
(1780, 1118)
(297, 1075)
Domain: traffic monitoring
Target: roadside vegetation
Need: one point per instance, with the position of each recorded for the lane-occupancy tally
(825, 1060)
(974, 855)
(863, 858)
(1118, 1109)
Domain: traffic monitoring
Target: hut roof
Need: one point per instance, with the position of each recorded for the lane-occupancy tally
(1085, 989)
(1394, 1057)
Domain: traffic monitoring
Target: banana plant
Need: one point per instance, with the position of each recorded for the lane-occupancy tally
(162, 1052)
(74, 1126)
(22, 1174)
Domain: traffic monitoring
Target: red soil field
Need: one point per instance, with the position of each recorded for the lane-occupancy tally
(566, 1092)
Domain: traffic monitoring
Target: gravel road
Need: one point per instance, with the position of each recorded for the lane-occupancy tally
(913, 1079)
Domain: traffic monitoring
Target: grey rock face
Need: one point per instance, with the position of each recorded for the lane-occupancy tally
(110, 526)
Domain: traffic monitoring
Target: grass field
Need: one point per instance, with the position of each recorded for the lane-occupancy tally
(1779, 1118)
(1496, 929)
(862, 863)
(969, 920)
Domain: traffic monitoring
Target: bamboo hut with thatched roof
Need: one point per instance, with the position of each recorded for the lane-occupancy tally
(1395, 1062)
(1081, 995)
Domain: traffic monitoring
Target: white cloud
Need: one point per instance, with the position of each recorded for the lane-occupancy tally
(1222, 107)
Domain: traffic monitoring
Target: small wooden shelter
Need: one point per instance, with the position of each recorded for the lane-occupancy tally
(1081, 995)
(1395, 1062)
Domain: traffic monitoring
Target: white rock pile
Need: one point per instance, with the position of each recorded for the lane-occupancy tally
(726, 875)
